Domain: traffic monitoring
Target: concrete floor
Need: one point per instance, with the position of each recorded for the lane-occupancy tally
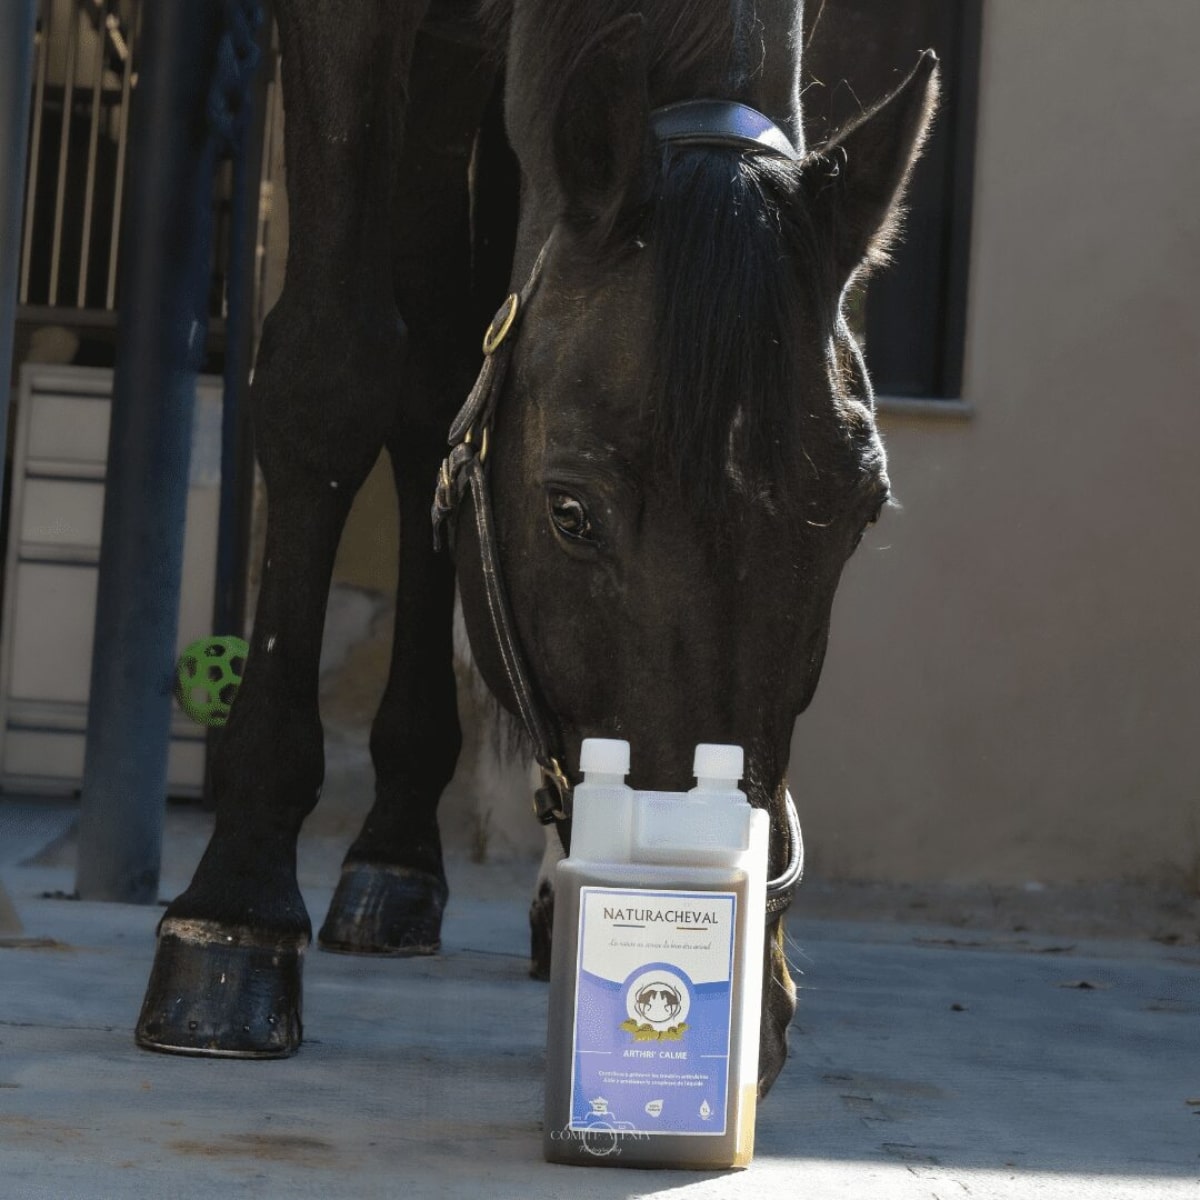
(927, 1061)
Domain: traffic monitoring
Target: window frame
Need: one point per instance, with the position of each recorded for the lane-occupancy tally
(915, 310)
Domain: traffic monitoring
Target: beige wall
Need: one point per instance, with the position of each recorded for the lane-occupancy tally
(368, 554)
(1013, 684)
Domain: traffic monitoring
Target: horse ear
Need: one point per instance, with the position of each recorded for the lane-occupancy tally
(602, 129)
(857, 180)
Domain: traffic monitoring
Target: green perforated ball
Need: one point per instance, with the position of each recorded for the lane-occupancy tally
(208, 676)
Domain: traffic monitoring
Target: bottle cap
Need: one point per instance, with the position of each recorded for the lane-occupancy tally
(718, 762)
(608, 756)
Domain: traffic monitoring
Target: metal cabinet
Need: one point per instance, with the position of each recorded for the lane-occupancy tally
(59, 461)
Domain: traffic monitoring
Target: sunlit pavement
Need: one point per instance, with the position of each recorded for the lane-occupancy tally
(926, 1062)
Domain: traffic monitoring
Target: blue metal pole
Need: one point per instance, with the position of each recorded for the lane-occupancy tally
(17, 22)
(165, 273)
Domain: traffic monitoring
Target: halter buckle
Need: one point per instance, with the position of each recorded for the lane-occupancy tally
(550, 800)
(469, 440)
(502, 324)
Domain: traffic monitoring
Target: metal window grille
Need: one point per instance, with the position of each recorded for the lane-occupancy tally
(86, 71)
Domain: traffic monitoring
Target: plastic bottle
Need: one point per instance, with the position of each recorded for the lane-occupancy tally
(656, 971)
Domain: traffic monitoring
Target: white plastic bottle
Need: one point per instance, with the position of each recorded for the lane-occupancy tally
(602, 805)
(656, 971)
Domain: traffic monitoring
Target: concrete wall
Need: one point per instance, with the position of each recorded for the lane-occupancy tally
(1011, 690)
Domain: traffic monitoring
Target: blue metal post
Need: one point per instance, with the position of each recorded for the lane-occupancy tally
(17, 20)
(165, 272)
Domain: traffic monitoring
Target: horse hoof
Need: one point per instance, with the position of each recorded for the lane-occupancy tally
(223, 993)
(541, 925)
(381, 909)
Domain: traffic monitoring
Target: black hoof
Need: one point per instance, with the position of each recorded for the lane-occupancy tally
(222, 992)
(541, 925)
(385, 910)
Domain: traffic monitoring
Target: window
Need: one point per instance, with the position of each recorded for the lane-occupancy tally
(914, 317)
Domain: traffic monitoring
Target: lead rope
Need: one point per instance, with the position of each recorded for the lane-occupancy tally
(782, 888)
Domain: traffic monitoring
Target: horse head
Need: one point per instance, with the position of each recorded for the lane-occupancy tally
(683, 453)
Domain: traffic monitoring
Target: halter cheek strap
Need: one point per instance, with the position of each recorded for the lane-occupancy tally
(700, 122)
(463, 469)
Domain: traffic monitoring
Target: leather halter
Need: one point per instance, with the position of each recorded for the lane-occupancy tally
(694, 122)
(720, 123)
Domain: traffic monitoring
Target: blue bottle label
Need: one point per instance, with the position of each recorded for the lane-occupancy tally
(650, 1048)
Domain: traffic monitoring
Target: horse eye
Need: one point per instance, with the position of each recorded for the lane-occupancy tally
(569, 517)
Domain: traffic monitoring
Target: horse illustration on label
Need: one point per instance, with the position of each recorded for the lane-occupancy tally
(657, 1003)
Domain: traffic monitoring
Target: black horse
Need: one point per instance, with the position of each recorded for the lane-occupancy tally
(680, 447)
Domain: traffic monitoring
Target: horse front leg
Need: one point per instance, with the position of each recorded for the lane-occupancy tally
(227, 973)
(392, 890)
(226, 978)
(541, 907)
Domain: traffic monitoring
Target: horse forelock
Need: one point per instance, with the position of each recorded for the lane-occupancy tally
(739, 274)
(743, 304)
